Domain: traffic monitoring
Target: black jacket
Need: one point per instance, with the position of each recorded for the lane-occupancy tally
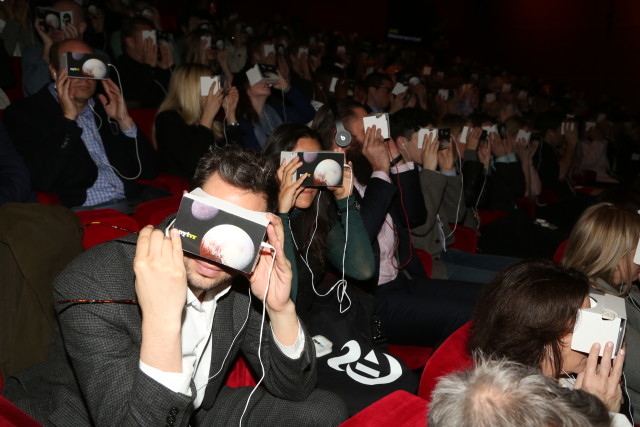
(56, 156)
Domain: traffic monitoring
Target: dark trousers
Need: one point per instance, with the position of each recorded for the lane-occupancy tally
(424, 311)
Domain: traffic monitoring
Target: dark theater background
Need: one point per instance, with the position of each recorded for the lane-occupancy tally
(589, 44)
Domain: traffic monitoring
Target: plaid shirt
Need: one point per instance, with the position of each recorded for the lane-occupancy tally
(108, 185)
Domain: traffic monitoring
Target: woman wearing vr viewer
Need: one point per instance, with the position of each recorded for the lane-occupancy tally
(185, 127)
(602, 245)
(316, 220)
(530, 314)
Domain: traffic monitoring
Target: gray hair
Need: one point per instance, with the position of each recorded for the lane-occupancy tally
(502, 393)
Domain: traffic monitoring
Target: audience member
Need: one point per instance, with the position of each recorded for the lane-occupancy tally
(88, 153)
(527, 315)
(36, 58)
(602, 245)
(441, 188)
(145, 357)
(145, 66)
(259, 119)
(501, 393)
(16, 30)
(185, 127)
(379, 87)
(414, 309)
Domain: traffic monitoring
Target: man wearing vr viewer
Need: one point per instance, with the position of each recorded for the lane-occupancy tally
(84, 148)
(164, 328)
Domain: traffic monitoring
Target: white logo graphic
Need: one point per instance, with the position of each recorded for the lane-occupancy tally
(373, 375)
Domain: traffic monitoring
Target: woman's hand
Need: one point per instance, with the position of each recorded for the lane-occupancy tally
(230, 104)
(289, 188)
(211, 105)
(346, 189)
(603, 380)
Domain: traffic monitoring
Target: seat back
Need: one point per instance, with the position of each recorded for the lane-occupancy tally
(466, 238)
(155, 211)
(450, 357)
(144, 118)
(557, 256)
(100, 226)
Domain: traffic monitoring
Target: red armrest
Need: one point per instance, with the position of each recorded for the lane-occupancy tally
(10, 415)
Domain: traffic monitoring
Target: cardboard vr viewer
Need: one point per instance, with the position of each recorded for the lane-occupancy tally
(220, 231)
(85, 65)
(604, 321)
(324, 168)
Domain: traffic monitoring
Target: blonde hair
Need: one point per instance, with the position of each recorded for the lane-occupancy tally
(183, 95)
(602, 236)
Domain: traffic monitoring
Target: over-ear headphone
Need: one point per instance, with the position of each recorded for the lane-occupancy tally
(342, 136)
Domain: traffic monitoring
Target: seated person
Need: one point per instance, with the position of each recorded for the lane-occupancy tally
(88, 153)
(259, 118)
(15, 184)
(602, 245)
(156, 354)
(145, 66)
(501, 393)
(441, 187)
(527, 315)
(35, 57)
(322, 238)
(185, 127)
(379, 97)
(414, 309)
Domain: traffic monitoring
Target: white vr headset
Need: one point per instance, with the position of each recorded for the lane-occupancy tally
(604, 321)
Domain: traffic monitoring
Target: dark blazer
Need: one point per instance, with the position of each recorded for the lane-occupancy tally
(92, 376)
(56, 157)
(382, 198)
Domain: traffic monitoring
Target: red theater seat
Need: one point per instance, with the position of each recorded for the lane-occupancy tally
(466, 238)
(557, 256)
(100, 226)
(155, 211)
(144, 118)
(173, 184)
(399, 408)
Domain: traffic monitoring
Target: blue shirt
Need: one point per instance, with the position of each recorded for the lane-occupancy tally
(107, 186)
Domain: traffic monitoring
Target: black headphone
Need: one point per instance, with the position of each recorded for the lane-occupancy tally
(342, 136)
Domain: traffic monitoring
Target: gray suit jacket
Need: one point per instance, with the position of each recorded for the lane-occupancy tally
(92, 375)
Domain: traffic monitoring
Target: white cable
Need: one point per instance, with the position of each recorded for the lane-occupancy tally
(264, 305)
(455, 226)
(340, 285)
(135, 137)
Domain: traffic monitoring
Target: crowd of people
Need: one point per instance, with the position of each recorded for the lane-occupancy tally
(527, 166)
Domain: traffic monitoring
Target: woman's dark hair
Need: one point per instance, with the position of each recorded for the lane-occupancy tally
(285, 138)
(245, 107)
(248, 170)
(526, 310)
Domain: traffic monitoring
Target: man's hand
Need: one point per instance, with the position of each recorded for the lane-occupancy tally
(499, 147)
(161, 288)
(399, 102)
(473, 138)
(70, 32)
(66, 94)
(114, 104)
(149, 52)
(430, 145)
(281, 310)
(166, 56)
(445, 159)
(375, 151)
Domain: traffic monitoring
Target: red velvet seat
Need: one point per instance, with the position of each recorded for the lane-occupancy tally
(175, 185)
(426, 260)
(450, 357)
(527, 205)
(487, 216)
(47, 198)
(11, 416)
(466, 238)
(103, 231)
(155, 211)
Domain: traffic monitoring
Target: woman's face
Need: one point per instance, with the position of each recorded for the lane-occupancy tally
(626, 271)
(259, 89)
(305, 199)
(573, 361)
